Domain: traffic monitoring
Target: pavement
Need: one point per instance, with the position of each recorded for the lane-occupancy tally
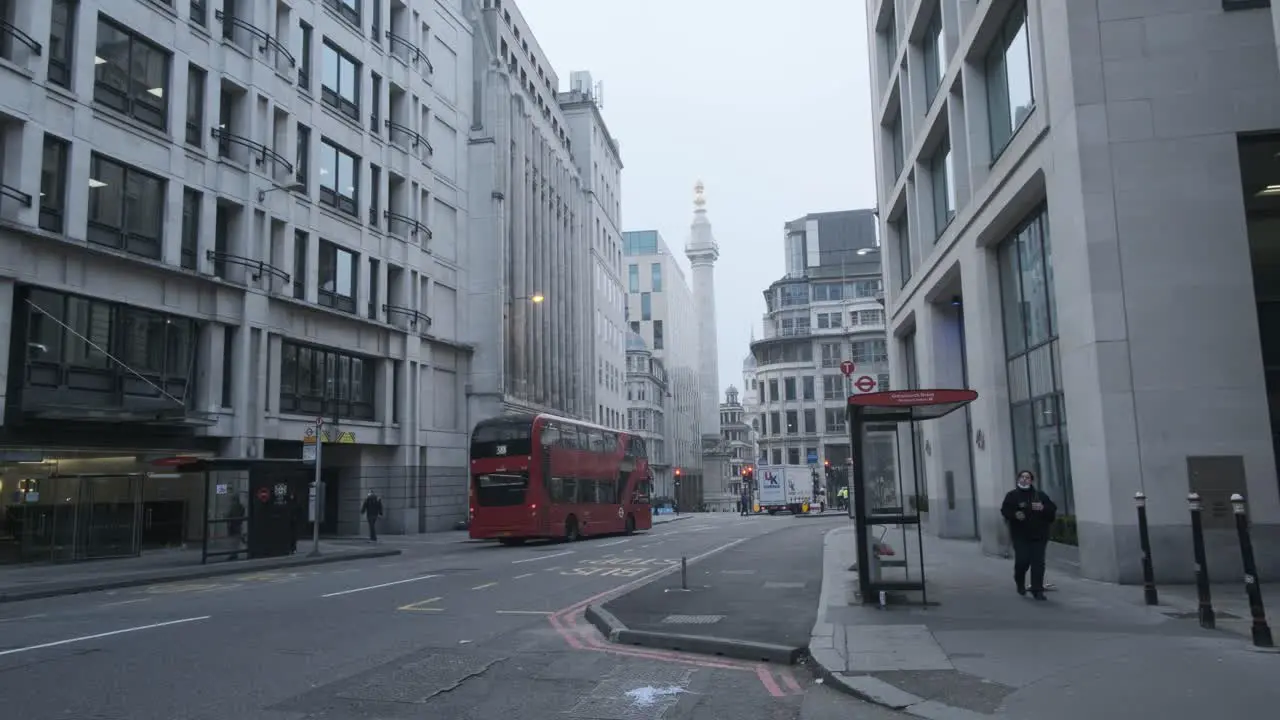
(449, 628)
(754, 601)
(979, 650)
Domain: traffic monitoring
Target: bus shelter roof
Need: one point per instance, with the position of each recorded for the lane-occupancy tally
(910, 405)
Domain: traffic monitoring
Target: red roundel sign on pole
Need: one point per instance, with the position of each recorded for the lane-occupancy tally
(264, 494)
(866, 383)
(846, 367)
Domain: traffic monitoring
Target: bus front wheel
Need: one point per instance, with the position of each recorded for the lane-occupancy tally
(631, 525)
(571, 533)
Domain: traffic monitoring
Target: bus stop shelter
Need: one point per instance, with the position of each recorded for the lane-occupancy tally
(898, 407)
(253, 508)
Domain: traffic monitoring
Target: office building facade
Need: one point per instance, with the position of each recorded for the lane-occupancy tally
(218, 225)
(599, 163)
(822, 312)
(529, 249)
(1076, 202)
(658, 299)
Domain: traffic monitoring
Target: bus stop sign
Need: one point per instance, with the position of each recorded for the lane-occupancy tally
(846, 367)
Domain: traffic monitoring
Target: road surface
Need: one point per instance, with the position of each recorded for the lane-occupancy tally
(451, 629)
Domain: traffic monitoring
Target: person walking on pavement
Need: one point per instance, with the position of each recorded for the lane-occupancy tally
(371, 508)
(1030, 514)
(745, 505)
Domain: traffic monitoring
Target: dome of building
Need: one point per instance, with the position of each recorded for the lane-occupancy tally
(635, 343)
(750, 362)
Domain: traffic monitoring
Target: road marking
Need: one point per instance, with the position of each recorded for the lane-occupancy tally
(418, 606)
(486, 585)
(523, 576)
(125, 602)
(617, 542)
(543, 557)
(381, 585)
(24, 617)
(524, 612)
(96, 636)
(618, 566)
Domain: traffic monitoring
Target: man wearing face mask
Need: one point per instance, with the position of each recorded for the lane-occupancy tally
(1030, 514)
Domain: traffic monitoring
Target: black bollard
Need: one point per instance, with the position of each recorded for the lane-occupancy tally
(684, 573)
(1252, 586)
(1144, 539)
(1207, 619)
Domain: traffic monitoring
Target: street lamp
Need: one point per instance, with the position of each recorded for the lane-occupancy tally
(868, 251)
(534, 298)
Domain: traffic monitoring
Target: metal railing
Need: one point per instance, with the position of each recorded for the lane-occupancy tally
(414, 138)
(414, 227)
(268, 43)
(256, 268)
(412, 316)
(411, 53)
(260, 153)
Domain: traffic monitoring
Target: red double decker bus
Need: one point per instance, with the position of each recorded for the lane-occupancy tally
(541, 476)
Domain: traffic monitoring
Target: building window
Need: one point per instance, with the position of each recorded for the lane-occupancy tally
(302, 156)
(942, 175)
(126, 207)
(53, 184)
(199, 15)
(832, 387)
(935, 57)
(646, 306)
(793, 456)
(773, 389)
(339, 176)
(1007, 71)
(775, 423)
(327, 383)
(789, 388)
(340, 86)
(299, 278)
(348, 10)
(810, 420)
(835, 419)
(191, 211)
(897, 149)
(304, 62)
(807, 387)
(869, 352)
(195, 105)
(131, 75)
(655, 270)
(633, 278)
(337, 277)
(1031, 345)
(62, 33)
(658, 341)
(902, 239)
(777, 456)
(1230, 5)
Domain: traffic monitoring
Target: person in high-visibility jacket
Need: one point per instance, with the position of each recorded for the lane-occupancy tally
(842, 497)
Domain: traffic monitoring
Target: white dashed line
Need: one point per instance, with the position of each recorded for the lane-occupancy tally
(542, 557)
(523, 576)
(96, 636)
(375, 587)
(486, 585)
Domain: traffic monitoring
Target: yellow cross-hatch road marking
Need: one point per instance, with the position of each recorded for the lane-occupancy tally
(420, 606)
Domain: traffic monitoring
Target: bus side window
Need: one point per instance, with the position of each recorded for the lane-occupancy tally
(569, 437)
(610, 443)
(550, 434)
(596, 439)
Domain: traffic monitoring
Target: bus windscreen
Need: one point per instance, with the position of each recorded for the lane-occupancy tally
(501, 489)
(500, 438)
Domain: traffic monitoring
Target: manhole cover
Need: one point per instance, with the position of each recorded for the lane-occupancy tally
(691, 619)
(783, 585)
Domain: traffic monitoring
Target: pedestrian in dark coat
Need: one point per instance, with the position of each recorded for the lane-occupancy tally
(1030, 514)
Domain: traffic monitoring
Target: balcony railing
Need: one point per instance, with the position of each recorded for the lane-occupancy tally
(405, 135)
(14, 193)
(410, 226)
(256, 268)
(261, 154)
(11, 37)
(267, 44)
(414, 319)
(408, 52)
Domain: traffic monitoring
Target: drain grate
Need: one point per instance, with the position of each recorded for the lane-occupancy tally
(783, 585)
(692, 619)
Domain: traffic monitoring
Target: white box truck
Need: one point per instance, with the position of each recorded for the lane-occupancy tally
(784, 487)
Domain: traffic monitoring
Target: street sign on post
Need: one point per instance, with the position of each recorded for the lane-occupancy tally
(813, 457)
(865, 384)
(316, 432)
(847, 367)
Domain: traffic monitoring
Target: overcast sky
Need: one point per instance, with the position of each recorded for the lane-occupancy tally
(767, 103)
